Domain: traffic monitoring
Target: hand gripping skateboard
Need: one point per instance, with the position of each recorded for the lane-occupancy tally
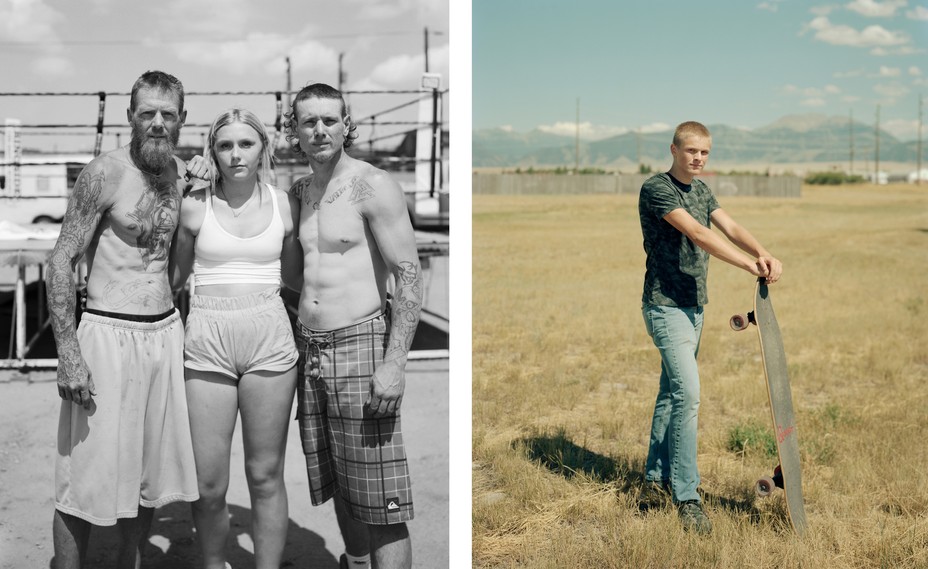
(787, 474)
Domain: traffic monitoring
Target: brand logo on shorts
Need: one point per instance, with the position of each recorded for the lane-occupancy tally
(393, 504)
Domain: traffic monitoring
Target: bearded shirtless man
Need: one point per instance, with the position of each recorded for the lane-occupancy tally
(123, 435)
(353, 337)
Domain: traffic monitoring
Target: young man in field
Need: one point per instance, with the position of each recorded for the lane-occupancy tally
(358, 244)
(676, 212)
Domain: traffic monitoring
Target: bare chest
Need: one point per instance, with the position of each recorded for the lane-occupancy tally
(146, 217)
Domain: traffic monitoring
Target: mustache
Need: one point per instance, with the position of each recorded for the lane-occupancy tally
(153, 153)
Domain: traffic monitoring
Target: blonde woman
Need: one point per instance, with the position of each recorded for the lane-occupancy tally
(239, 234)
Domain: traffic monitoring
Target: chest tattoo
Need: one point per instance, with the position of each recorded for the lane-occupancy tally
(360, 190)
(153, 221)
(336, 195)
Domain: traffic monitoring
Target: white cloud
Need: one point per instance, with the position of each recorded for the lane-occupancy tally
(889, 71)
(849, 74)
(53, 66)
(768, 6)
(903, 50)
(238, 57)
(871, 36)
(593, 132)
(822, 10)
(901, 128)
(34, 22)
(28, 21)
(915, 71)
(310, 59)
(654, 127)
(201, 19)
(813, 102)
(389, 9)
(832, 89)
(874, 9)
(919, 13)
(405, 71)
(506, 128)
(891, 91)
(850, 99)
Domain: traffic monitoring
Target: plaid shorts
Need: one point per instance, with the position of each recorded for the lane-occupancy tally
(348, 451)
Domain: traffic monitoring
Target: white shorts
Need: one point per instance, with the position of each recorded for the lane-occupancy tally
(133, 446)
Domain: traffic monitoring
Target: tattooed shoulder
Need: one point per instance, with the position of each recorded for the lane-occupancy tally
(361, 190)
(300, 188)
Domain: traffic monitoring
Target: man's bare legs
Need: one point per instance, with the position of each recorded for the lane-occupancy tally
(389, 545)
(71, 535)
(133, 533)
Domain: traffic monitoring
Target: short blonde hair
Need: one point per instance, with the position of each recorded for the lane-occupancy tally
(687, 129)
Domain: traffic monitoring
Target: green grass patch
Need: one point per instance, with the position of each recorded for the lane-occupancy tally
(750, 438)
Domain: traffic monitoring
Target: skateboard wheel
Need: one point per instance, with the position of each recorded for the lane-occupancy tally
(778, 477)
(764, 486)
(738, 322)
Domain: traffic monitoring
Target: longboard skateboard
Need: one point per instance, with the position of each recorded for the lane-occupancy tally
(788, 475)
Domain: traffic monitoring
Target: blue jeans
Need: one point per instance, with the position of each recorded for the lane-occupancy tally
(672, 450)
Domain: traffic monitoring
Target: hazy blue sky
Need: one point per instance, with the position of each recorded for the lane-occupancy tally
(652, 64)
(228, 45)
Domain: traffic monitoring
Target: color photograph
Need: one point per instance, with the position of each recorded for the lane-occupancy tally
(699, 249)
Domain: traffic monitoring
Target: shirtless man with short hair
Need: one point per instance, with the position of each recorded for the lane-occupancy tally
(124, 443)
(359, 249)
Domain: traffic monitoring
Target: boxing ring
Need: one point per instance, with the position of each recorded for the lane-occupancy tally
(21, 253)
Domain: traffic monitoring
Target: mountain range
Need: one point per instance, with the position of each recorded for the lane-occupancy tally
(791, 139)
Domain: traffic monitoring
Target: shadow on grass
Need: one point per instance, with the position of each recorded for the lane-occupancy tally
(562, 456)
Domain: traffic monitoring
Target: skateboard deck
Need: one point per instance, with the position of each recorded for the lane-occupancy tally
(788, 475)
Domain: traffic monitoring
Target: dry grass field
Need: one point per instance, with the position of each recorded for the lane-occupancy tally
(564, 380)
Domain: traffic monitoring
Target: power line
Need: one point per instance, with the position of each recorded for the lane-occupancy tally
(178, 41)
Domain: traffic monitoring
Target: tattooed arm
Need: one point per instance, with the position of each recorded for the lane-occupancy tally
(85, 210)
(383, 205)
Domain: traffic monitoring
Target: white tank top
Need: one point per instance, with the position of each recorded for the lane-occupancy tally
(223, 258)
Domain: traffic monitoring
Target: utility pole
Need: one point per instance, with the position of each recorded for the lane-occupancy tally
(577, 144)
(426, 49)
(918, 169)
(851, 136)
(876, 157)
(341, 71)
(289, 88)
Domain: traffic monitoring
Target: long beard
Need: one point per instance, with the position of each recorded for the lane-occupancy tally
(153, 153)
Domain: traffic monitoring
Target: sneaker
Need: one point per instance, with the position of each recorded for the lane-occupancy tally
(694, 518)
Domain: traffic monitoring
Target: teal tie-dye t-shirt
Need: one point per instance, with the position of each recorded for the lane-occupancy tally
(676, 268)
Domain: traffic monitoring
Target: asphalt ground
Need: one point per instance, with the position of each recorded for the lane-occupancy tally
(29, 406)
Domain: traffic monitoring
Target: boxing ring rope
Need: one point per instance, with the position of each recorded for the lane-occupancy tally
(22, 253)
